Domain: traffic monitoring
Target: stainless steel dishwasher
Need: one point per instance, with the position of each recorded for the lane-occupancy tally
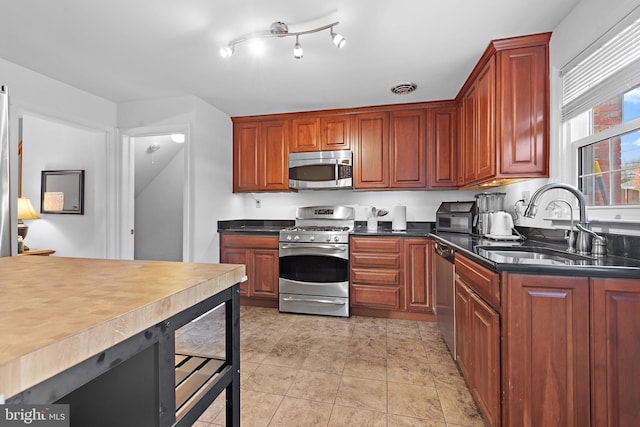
(445, 295)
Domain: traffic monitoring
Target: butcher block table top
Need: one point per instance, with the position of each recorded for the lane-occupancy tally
(56, 312)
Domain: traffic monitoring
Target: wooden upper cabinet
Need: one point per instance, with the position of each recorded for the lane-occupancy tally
(407, 149)
(524, 118)
(335, 132)
(466, 161)
(305, 135)
(246, 164)
(390, 150)
(260, 156)
(478, 124)
(442, 147)
(485, 106)
(275, 159)
(327, 133)
(504, 113)
(371, 150)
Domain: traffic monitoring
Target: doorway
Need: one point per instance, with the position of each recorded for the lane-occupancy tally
(155, 202)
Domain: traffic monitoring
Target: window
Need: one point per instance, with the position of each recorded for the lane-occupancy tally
(601, 119)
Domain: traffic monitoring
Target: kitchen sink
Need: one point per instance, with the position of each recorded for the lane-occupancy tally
(531, 255)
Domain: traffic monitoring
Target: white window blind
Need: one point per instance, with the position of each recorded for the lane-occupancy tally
(613, 68)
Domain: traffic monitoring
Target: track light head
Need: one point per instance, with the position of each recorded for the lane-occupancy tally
(297, 50)
(338, 40)
(226, 51)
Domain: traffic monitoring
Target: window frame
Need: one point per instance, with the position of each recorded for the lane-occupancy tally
(570, 149)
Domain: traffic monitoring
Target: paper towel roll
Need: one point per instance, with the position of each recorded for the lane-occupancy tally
(398, 218)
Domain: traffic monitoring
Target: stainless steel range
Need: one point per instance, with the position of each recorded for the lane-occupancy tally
(314, 261)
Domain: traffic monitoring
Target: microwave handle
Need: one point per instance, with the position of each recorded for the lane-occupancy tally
(337, 172)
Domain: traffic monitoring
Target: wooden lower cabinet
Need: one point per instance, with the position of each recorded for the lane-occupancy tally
(615, 352)
(260, 256)
(546, 351)
(392, 277)
(418, 274)
(549, 350)
(376, 275)
(478, 349)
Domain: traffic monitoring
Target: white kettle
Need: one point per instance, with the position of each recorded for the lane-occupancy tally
(501, 224)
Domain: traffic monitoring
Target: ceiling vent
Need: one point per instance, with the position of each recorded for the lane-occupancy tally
(403, 88)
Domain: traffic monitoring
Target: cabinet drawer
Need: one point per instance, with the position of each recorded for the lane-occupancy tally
(375, 296)
(375, 277)
(376, 244)
(366, 259)
(483, 281)
(237, 240)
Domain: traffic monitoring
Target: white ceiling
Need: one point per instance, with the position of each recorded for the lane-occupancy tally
(126, 50)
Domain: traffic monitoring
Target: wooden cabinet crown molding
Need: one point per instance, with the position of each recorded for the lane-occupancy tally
(346, 111)
(541, 39)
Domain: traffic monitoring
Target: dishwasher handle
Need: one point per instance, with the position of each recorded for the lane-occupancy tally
(444, 250)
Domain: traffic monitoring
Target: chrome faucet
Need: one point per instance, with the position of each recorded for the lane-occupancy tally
(570, 236)
(583, 242)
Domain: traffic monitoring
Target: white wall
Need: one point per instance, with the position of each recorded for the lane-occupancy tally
(51, 145)
(158, 214)
(421, 205)
(209, 159)
(213, 180)
(38, 95)
(589, 20)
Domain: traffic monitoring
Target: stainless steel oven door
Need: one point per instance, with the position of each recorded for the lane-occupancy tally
(314, 278)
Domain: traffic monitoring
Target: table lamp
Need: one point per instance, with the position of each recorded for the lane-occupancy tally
(25, 211)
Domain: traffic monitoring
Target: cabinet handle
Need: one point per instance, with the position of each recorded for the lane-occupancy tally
(321, 301)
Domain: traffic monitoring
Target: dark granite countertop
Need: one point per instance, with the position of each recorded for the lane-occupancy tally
(259, 226)
(414, 229)
(254, 226)
(612, 265)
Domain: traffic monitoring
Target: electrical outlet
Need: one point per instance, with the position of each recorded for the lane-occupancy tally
(257, 203)
(526, 196)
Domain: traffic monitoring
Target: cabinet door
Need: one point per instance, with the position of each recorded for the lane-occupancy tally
(238, 256)
(469, 136)
(274, 155)
(305, 135)
(485, 144)
(546, 366)
(265, 271)
(463, 327)
(615, 352)
(442, 144)
(247, 164)
(484, 344)
(371, 153)
(523, 123)
(418, 275)
(407, 151)
(335, 132)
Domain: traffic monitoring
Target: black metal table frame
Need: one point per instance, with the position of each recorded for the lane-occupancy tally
(158, 341)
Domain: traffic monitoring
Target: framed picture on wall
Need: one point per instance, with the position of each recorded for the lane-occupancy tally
(62, 192)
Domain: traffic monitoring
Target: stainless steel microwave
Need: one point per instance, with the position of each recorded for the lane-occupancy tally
(321, 170)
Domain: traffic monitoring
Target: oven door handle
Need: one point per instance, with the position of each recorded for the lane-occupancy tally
(328, 247)
(321, 301)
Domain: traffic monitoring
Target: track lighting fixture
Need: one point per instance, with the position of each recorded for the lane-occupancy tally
(280, 29)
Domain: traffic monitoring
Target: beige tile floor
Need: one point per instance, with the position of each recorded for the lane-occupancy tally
(301, 370)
